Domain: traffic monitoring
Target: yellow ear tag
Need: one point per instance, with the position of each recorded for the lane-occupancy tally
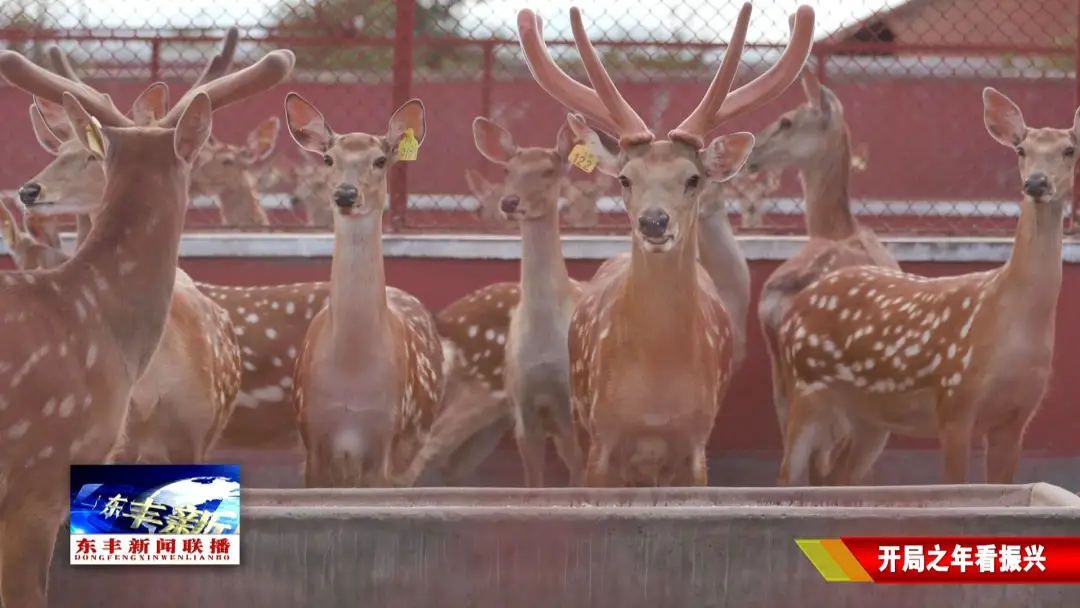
(582, 158)
(93, 137)
(408, 147)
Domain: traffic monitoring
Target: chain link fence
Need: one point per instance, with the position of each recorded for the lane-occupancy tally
(909, 76)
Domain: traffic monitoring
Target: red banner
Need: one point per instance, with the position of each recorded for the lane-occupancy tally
(968, 559)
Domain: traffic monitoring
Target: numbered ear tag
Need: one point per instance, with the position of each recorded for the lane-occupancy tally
(582, 158)
(93, 137)
(408, 147)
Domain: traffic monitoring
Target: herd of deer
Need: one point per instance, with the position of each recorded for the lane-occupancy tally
(113, 354)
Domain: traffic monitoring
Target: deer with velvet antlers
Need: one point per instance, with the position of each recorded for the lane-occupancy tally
(958, 358)
(369, 380)
(814, 139)
(651, 345)
(67, 369)
(269, 321)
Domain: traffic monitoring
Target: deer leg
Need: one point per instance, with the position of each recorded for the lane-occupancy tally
(801, 440)
(597, 468)
(955, 433)
(476, 450)
(531, 440)
(1003, 447)
(699, 466)
(566, 443)
(858, 456)
(27, 540)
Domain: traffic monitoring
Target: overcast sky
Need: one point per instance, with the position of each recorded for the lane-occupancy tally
(702, 20)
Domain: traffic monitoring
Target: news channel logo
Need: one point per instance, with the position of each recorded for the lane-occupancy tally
(155, 514)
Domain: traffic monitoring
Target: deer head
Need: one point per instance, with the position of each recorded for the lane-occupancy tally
(662, 180)
(26, 251)
(530, 189)
(222, 166)
(359, 161)
(802, 136)
(1046, 156)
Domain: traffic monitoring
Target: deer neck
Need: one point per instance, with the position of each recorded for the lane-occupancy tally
(1033, 273)
(825, 187)
(126, 268)
(725, 263)
(357, 287)
(660, 294)
(240, 205)
(545, 284)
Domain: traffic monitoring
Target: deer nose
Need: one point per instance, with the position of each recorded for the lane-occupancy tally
(345, 195)
(29, 193)
(653, 223)
(509, 203)
(1036, 185)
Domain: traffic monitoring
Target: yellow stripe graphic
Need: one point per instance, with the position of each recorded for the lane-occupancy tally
(833, 560)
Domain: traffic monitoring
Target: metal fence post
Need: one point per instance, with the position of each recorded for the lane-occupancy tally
(404, 24)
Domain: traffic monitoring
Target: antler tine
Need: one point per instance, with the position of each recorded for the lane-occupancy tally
(61, 64)
(24, 74)
(553, 79)
(777, 78)
(256, 78)
(692, 130)
(216, 68)
(220, 63)
(631, 128)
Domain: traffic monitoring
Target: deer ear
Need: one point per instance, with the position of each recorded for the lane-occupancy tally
(307, 126)
(494, 142)
(263, 138)
(45, 136)
(87, 129)
(726, 155)
(193, 128)
(408, 116)
(565, 141)
(55, 118)
(150, 105)
(607, 158)
(1003, 119)
(478, 184)
(811, 87)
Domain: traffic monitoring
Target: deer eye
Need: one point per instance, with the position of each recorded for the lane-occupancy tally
(91, 158)
(785, 123)
(625, 181)
(1070, 152)
(692, 181)
(1020, 151)
(379, 162)
(328, 160)
(548, 173)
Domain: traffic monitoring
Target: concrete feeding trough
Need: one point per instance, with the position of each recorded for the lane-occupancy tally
(623, 548)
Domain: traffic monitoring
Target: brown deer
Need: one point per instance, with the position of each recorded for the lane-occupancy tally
(749, 189)
(313, 192)
(369, 380)
(581, 197)
(957, 358)
(537, 368)
(69, 366)
(651, 346)
(269, 321)
(813, 138)
(27, 251)
(226, 171)
(487, 195)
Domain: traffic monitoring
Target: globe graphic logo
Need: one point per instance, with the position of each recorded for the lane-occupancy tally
(207, 505)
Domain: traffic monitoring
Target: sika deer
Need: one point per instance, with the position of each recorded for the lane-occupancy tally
(369, 380)
(27, 252)
(266, 319)
(487, 196)
(958, 357)
(814, 138)
(537, 370)
(97, 320)
(225, 171)
(313, 192)
(749, 189)
(651, 345)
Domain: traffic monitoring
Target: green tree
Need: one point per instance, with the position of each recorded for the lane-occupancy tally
(329, 24)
